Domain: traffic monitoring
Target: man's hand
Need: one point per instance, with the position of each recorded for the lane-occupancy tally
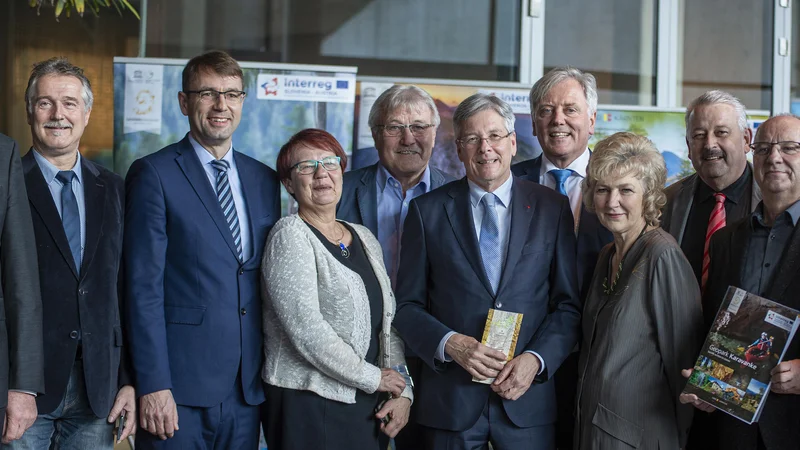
(125, 401)
(158, 414)
(20, 415)
(480, 361)
(692, 399)
(398, 410)
(517, 376)
(786, 377)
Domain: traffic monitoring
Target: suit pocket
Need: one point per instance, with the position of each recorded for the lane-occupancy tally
(185, 315)
(618, 427)
(117, 335)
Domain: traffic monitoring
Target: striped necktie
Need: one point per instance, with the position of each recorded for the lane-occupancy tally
(715, 222)
(225, 198)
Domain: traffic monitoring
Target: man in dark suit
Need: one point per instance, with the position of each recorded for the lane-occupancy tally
(563, 110)
(489, 240)
(197, 216)
(76, 208)
(761, 254)
(403, 121)
(21, 356)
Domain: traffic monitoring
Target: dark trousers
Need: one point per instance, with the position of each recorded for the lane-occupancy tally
(566, 385)
(410, 437)
(493, 426)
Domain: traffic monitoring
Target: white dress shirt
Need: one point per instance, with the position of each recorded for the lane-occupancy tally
(573, 183)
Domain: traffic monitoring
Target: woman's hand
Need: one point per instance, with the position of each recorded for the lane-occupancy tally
(392, 382)
(398, 410)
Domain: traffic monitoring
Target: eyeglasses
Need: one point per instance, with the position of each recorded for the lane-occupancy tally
(330, 163)
(472, 142)
(233, 97)
(765, 148)
(397, 130)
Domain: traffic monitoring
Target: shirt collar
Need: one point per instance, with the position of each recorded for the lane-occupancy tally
(383, 176)
(206, 157)
(49, 171)
(503, 192)
(733, 192)
(578, 166)
(793, 212)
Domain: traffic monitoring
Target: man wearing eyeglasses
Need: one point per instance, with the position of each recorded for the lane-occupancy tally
(760, 254)
(489, 240)
(197, 217)
(403, 121)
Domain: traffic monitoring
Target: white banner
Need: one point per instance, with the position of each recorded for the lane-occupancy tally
(143, 94)
(369, 93)
(518, 99)
(310, 88)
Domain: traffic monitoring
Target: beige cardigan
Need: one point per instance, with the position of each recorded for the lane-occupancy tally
(317, 316)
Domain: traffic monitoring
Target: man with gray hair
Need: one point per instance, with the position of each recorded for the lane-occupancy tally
(489, 240)
(563, 110)
(77, 213)
(403, 121)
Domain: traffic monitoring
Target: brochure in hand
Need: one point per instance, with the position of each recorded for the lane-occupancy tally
(747, 340)
(500, 333)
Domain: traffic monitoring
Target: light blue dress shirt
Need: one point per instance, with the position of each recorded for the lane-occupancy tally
(49, 171)
(236, 190)
(503, 207)
(392, 211)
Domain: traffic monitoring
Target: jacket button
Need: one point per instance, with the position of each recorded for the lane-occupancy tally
(241, 271)
(73, 334)
(498, 305)
(82, 291)
(243, 311)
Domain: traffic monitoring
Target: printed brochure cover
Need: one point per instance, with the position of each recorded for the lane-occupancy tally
(747, 340)
(500, 333)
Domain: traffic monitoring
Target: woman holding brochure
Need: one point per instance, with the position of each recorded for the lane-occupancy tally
(328, 310)
(642, 320)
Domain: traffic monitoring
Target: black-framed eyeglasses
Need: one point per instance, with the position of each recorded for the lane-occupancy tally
(330, 163)
(394, 130)
(212, 95)
(765, 148)
(473, 141)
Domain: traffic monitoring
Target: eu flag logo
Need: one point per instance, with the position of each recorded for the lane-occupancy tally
(341, 84)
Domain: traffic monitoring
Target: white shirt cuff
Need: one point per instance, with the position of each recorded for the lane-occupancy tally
(541, 361)
(23, 391)
(440, 354)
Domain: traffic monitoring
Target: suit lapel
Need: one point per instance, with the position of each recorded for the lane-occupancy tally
(247, 177)
(196, 175)
(682, 206)
(523, 205)
(94, 202)
(367, 198)
(459, 213)
(532, 172)
(42, 202)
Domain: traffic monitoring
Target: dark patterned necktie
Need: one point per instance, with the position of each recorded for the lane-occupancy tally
(225, 198)
(70, 217)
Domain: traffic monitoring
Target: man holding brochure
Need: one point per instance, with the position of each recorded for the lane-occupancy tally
(488, 242)
(761, 254)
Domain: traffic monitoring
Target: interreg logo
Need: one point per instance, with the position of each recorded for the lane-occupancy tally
(270, 87)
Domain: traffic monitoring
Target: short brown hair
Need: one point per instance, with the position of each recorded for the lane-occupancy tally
(311, 138)
(627, 153)
(214, 61)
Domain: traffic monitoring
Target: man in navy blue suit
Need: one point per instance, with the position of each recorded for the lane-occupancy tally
(197, 216)
(563, 110)
(489, 240)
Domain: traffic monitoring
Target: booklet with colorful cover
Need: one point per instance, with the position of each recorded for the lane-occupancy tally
(747, 340)
(500, 333)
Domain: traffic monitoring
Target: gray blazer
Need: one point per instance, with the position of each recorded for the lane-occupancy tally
(21, 351)
(680, 197)
(317, 316)
(359, 203)
(636, 340)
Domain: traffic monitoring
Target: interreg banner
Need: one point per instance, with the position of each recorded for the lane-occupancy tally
(143, 91)
(306, 88)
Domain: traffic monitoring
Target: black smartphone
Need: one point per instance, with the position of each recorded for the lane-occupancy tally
(120, 426)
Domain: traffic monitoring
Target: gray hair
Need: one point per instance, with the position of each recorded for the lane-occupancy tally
(479, 102)
(716, 97)
(556, 76)
(401, 96)
(57, 67)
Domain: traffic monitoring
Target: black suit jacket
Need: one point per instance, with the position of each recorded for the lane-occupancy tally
(442, 287)
(728, 251)
(21, 356)
(88, 302)
(592, 235)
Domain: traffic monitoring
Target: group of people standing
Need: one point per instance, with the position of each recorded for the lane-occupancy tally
(326, 325)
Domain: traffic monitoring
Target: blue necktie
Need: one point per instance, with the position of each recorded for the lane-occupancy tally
(490, 241)
(70, 217)
(560, 175)
(225, 198)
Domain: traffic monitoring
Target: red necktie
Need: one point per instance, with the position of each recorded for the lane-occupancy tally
(715, 222)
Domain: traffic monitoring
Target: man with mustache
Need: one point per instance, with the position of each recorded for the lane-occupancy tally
(563, 110)
(761, 254)
(196, 220)
(76, 210)
(403, 121)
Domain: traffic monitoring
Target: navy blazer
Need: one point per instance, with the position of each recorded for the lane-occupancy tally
(193, 310)
(442, 287)
(88, 302)
(359, 202)
(592, 235)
